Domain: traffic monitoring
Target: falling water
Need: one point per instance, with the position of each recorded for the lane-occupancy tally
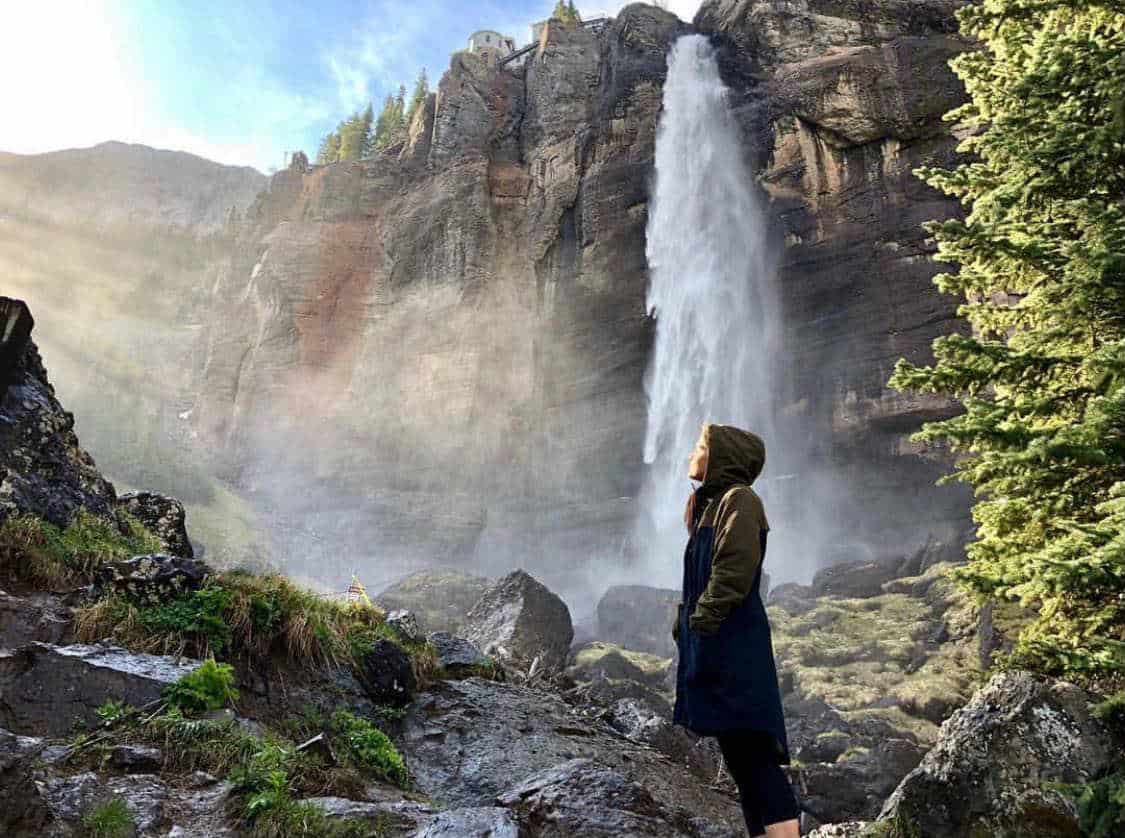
(711, 292)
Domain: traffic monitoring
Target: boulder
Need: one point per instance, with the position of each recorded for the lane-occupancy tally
(604, 660)
(69, 799)
(794, 598)
(21, 809)
(402, 815)
(136, 759)
(150, 580)
(862, 578)
(456, 655)
(991, 770)
(648, 723)
(519, 621)
(163, 516)
(45, 690)
(16, 324)
(387, 674)
(580, 797)
(406, 624)
(478, 822)
(639, 617)
(39, 617)
(439, 599)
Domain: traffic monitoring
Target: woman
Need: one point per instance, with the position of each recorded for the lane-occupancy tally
(726, 683)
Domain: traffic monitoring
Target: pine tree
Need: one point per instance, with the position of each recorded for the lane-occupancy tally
(418, 97)
(329, 151)
(353, 137)
(1041, 378)
(386, 123)
(567, 12)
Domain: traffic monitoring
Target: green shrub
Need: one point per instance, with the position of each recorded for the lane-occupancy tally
(35, 552)
(1112, 712)
(1101, 807)
(370, 748)
(208, 687)
(113, 712)
(111, 819)
(197, 617)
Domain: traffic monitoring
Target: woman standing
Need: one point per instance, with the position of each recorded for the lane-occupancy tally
(726, 683)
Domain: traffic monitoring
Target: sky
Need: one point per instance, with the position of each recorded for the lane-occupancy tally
(241, 82)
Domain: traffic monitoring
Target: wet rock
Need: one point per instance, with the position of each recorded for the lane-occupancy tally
(16, 324)
(45, 689)
(402, 815)
(439, 600)
(163, 516)
(198, 810)
(456, 655)
(69, 799)
(21, 809)
(639, 617)
(136, 759)
(27, 619)
(152, 579)
(387, 674)
(519, 621)
(480, 822)
(840, 830)
(991, 769)
(603, 660)
(580, 797)
(646, 722)
(606, 692)
(465, 742)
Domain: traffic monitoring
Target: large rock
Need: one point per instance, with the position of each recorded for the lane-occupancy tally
(43, 470)
(581, 797)
(153, 579)
(457, 656)
(439, 599)
(46, 690)
(478, 822)
(520, 621)
(21, 809)
(69, 799)
(163, 516)
(467, 742)
(387, 674)
(37, 617)
(991, 770)
(639, 617)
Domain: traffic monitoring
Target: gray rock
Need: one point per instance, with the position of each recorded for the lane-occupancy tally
(457, 655)
(16, 324)
(45, 689)
(794, 598)
(152, 579)
(479, 822)
(648, 723)
(840, 830)
(580, 797)
(405, 816)
(439, 600)
(465, 742)
(405, 623)
(20, 806)
(163, 516)
(638, 617)
(387, 674)
(136, 759)
(854, 579)
(990, 771)
(71, 798)
(519, 621)
(26, 619)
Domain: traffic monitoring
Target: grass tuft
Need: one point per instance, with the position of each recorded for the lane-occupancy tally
(111, 819)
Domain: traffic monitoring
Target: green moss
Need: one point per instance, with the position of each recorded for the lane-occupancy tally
(111, 819)
(370, 748)
(35, 552)
(208, 687)
(1101, 807)
(652, 666)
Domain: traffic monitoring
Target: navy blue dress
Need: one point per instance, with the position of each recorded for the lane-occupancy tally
(727, 681)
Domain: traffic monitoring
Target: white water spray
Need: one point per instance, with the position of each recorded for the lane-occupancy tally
(711, 290)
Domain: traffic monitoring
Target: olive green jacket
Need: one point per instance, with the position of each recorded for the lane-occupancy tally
(734, 460)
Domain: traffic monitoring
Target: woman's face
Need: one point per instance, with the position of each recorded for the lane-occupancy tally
(697, 465)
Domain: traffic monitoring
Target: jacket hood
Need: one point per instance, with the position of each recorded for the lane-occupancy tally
(734, 456)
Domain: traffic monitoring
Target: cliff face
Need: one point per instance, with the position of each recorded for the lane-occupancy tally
(117, 246)
(445, 348)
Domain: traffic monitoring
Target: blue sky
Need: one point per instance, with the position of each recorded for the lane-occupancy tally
(238, 82)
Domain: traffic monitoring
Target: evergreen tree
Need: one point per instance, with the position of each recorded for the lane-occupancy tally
(354, 137)
(567, 12)
(329, 151)
(1041, 378)
(418, 97)
(386, 124)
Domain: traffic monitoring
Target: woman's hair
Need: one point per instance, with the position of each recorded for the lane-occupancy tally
(689, 511)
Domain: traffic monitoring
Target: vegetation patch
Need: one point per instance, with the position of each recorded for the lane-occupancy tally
(36, 552)
(210, 687)
(111, 819)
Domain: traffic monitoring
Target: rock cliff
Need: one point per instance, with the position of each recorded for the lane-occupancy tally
(450, 339)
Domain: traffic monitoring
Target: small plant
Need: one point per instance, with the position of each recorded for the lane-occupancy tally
(1101, 807)
(113, 712)
(209, 687)
(370, 748)
(1112, 712)
(111, 819)
(198, 617)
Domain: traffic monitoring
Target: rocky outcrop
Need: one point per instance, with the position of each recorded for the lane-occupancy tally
(43, 470)
(991, 769)
(439, 599)
(521, 623)
(163, 516)
(638, 617)
(152, 579)
(45, 689)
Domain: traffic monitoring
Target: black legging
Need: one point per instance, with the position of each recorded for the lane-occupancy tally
(765, 792)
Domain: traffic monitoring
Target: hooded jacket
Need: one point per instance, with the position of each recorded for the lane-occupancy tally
(726, 677)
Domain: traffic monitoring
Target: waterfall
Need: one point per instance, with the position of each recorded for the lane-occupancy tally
(711, 291)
